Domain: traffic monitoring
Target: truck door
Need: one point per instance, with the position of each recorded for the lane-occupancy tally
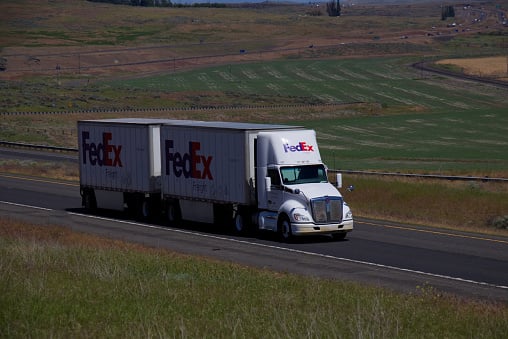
(274, 195)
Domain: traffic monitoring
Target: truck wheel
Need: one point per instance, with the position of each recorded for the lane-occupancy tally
(284, 229)
(240, 224)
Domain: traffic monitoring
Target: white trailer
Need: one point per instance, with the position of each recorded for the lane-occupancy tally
(269, 177)
(120, 164)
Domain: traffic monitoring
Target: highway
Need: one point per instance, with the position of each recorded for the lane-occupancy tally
(395, 256)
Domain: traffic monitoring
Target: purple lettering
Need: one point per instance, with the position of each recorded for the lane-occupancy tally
(191, 164)
(302, 146)
(100, 154)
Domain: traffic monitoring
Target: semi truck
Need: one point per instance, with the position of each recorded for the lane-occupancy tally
(252, 176)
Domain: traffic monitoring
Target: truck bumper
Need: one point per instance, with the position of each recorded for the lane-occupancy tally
(300, 229)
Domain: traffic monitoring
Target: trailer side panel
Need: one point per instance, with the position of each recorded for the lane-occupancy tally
(208, 164)
(119, 156)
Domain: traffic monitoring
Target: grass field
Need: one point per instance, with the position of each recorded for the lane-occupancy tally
(465, 142)
(387, 81)
(56, 283)
(425, 123)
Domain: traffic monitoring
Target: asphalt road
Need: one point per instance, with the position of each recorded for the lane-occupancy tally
(28, 154)
(395, 256)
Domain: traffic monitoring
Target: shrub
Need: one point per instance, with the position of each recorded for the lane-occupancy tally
(500, 222)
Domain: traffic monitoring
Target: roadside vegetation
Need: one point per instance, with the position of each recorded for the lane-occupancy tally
(469, 206)
(57, 283)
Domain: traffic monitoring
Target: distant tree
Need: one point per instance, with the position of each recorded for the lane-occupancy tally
(333, 8)
(3, 64)
(451, 12)
(447, 12)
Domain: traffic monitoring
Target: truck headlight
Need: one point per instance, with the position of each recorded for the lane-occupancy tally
(297, 216)
(348, 213)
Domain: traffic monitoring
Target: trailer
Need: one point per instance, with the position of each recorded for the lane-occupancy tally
(120, 164)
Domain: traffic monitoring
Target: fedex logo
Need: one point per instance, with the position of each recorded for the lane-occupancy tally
(191, 164)
(103, 153)
(300, 147)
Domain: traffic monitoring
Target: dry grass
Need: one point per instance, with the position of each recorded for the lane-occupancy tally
(488, 67)
(52, 170)
(467, 206)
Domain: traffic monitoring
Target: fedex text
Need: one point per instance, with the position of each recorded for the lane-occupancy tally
(191, 164)
(104, 153)
(302, 146)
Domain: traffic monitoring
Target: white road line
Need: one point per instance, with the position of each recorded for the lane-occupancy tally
(28, 206)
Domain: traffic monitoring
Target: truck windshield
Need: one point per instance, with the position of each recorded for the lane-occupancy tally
(303, 174)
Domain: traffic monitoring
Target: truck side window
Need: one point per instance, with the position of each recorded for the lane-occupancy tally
(274, 176)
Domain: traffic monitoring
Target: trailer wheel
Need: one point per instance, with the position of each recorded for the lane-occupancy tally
(89, 201)
(285, 232)
(138, 206)
(173, 213)
(145, 208)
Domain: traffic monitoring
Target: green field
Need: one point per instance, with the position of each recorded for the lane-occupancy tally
(425, 122)
(466, 142)
(388, 81)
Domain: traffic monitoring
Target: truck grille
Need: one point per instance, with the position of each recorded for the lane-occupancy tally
(327, 209)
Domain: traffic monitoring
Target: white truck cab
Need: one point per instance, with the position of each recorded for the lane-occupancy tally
(294, 194)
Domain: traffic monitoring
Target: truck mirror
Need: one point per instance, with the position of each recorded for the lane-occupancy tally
(268, 184)
(339, 180)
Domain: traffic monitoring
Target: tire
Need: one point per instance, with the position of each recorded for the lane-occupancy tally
(173, 213)
(145, 209)
(138, 207)
(89, 201)
(240, 224)
(285, 232)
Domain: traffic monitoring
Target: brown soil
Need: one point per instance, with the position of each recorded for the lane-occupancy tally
(122, 61)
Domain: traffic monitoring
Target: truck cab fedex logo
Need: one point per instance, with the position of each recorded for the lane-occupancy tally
(191, 164)
(300, 147)
(102, 154)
